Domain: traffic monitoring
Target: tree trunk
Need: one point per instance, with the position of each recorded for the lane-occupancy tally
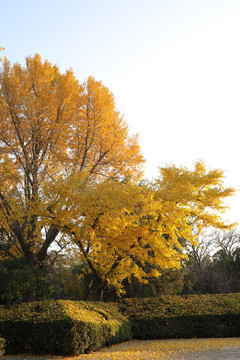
(100, 294)
(101, 288)
(28, 296)
(90, 285)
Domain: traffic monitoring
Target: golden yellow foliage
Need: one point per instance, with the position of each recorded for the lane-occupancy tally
(167, 350)
(69, 166)
(121, 227)
(51, 127)
(1, 48)
(160, 349)
(200, 192)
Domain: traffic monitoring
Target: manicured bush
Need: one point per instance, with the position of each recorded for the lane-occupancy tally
(184, 316)
(62, 327)
(66, 327)
(2, 346)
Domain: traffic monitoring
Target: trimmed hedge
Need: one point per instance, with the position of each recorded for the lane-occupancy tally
(2, 346)
(65, 327)
(62, 327)
(184, 316)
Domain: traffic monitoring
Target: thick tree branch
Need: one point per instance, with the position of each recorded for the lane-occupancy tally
(50, 237)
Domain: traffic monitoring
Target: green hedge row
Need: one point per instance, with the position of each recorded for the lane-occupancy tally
(184, 316)
(74, 327)
(62, 327)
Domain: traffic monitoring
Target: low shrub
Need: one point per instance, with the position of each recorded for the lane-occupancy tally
(2, 346)
(62, 327)
(184, 316)
(65, 327)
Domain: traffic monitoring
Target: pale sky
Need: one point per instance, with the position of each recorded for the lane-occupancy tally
(172, 65)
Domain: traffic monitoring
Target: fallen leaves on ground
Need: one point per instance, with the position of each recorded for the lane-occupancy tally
(162, 349)
(172, 349)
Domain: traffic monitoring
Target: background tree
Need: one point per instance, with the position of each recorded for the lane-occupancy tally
(68, 279)
(20, 282)
(226, 260)
(227, 241)
(50, 129)
(213, 264)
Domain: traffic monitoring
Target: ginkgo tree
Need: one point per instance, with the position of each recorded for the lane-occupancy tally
(70, 174)
(124, 229)
(1, 48)
(52, 128)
